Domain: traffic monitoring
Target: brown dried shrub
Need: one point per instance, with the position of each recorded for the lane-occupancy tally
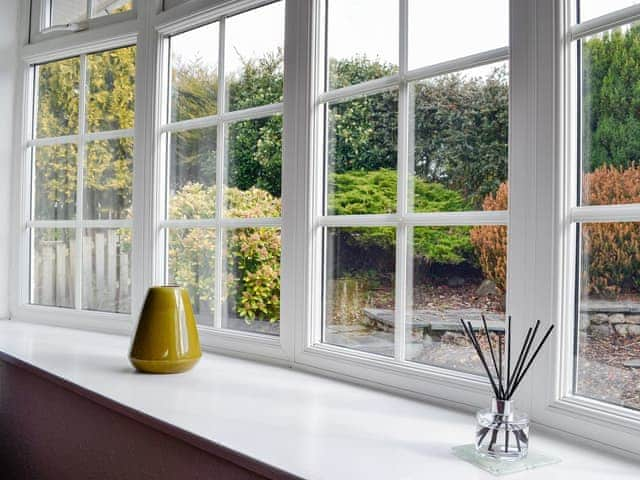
(610, 251)
(490, 241)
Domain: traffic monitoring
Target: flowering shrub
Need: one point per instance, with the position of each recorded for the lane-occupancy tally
(252, 284)
(490, 241)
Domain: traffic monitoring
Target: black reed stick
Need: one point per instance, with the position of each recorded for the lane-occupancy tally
(533, 357)
(515, 368)
(473, 340)
(505, 384)
(526, 353)
(509, 353)
(493, 357)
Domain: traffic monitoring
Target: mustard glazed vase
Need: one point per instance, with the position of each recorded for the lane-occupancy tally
(166, 339)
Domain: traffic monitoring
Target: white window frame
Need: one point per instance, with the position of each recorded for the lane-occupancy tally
(213, 336)
(427, 380)
(541, 247)
(81, 140)
(603, 424)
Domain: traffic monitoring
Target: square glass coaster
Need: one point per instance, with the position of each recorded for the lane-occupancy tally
(498, 467)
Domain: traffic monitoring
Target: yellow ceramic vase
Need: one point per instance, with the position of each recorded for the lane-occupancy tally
(166, 339)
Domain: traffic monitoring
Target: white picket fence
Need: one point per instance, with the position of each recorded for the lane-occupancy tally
(106, 275)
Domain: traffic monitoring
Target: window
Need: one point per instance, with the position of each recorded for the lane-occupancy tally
(608, 290)
(62, 12)
(82, 163)
(337, 182)
(415, 155)
(223, 141)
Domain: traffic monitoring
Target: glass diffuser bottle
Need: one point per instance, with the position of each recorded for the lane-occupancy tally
(502, 433)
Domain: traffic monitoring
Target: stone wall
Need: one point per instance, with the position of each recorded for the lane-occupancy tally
(606, 318)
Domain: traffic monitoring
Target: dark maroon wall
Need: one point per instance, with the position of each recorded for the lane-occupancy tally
(48, 431)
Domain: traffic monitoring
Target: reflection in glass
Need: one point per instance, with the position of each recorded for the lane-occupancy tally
(254, 64)
(191, 264)
(58, 99)
(111, 89)
(254, 168)
(192, 173)
(55, 182)
(608, 323)
(67, 11)
(252, 287)
(362, 40)
(102, 8)
(362, 155)
(108, 178)
(53, 267)
(457, 272)
(359, 276)
(459, 124)
(106, 270)
(194, 73)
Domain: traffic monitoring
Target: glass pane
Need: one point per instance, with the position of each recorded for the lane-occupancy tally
(359, 288)
(53, 267)
(252, 288)
(608, 326)
(433, 40)
(57, 100)
(611, 118)
(194, 73)
(254, 63)
(55, 182)
(67, 11)
(362, 155)
(254, 168)
(106, 270)
(108, 177)
(192, 173)
(101, 8)
(192, 262)
(459, 138)
(458, 272)
(62, 12)
(362, 40)
(111, 93)
(595, 8)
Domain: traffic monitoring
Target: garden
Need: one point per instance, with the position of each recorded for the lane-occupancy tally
(459, 126)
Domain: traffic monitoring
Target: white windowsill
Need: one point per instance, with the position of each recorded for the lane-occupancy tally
(271, 419)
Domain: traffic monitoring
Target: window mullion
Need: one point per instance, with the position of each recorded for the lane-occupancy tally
(82, 107)
(220, 159)
(402, 231)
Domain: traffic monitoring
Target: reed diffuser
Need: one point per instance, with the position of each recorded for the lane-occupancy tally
(501, 432)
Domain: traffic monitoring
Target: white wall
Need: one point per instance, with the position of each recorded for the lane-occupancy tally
(9, 44)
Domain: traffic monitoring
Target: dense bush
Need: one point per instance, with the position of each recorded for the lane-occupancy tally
(461, 132)
(366, 192)
(490, 241)
(611, 99)
(252, 285)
